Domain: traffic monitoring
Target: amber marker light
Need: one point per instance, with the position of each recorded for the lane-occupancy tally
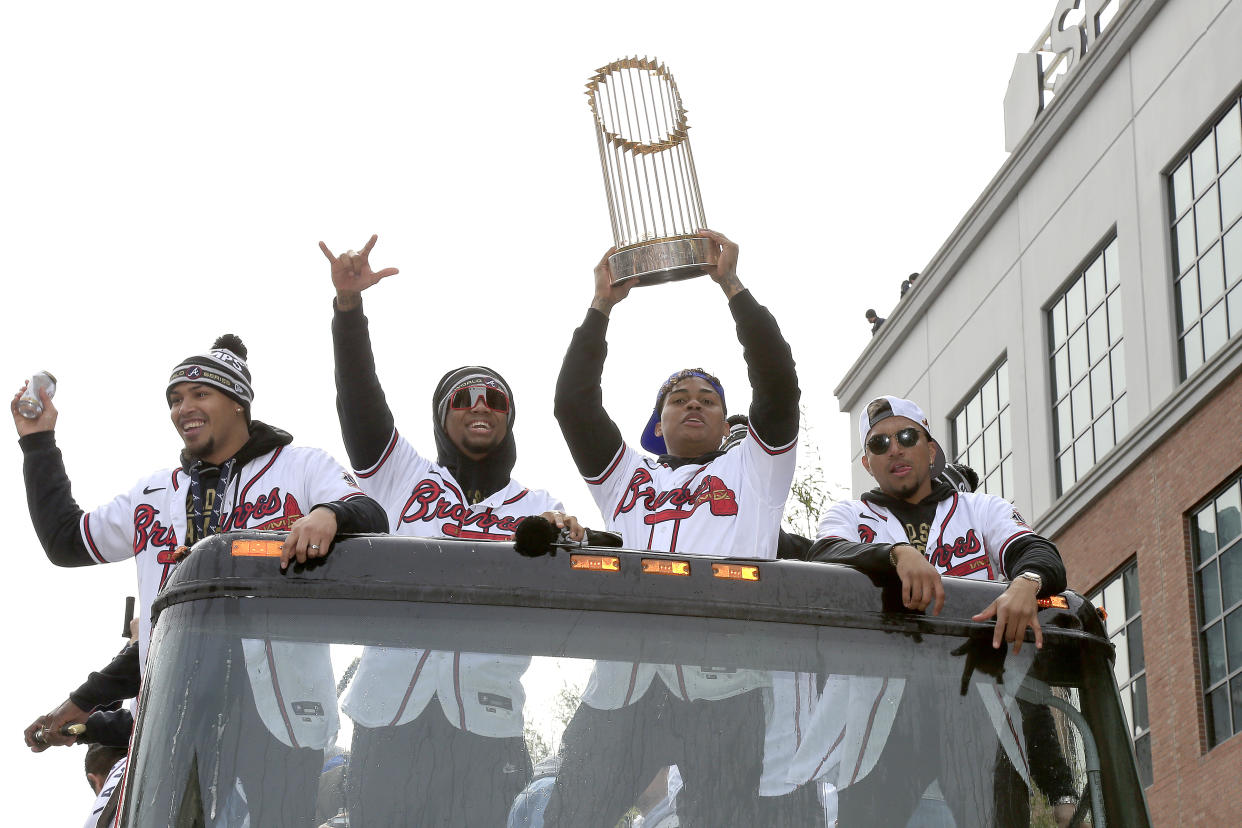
(735, 572)
(257, 548)
(1057, 601)
(658, 567)
(595, 563)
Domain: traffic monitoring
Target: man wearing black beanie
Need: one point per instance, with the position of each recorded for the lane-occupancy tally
(235, 472)
(479, 762)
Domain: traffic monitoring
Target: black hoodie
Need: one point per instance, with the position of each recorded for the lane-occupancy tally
(367, 424)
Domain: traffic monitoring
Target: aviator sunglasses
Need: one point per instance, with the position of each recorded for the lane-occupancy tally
(907, 437)
(469, 396)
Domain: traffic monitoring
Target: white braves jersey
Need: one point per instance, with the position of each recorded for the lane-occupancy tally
(149, 522)
(727, 507)
(730, 506)
(269, 492)
(969, 536)
(853, 719)
(478, 692)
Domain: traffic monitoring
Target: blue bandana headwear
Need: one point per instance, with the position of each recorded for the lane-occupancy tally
(650, 440)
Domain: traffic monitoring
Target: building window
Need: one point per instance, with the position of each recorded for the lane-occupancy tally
(1088, 368)
(1215, 532)
(981, 437)
(1119, 598)
(1205, 194)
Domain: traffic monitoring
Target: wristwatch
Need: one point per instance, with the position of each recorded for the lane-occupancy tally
(1033, 577)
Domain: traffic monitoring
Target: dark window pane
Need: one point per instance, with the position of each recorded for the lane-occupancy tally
(1142, 752)
(1229, 516)
(1135, 634)
(1209, 594)
(1205, 532)
(1139, 706)
(1130, 578)
(1218, 716)
(1203, 164)
(1231, 576)
(1233, 639)
(1214, 653)
(1235, 688)
(1207, 219)
(1181, 189)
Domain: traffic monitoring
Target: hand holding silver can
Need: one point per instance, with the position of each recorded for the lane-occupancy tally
(29, 405)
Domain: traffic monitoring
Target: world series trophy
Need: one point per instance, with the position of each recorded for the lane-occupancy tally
(653, 192)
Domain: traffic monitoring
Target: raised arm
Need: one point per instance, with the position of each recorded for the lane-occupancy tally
(592, 436)
(53, 511)
(769, 361)
(366, 421)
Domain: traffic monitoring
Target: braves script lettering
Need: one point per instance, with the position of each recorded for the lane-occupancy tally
(150, 532)
(711, 490)
(428, 503)
(961, 548)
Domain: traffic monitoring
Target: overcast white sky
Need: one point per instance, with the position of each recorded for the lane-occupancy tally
(167, 170)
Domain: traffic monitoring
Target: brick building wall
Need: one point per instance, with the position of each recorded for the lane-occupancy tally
(1144, 516)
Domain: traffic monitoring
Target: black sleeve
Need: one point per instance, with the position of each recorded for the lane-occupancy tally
(110, 728)
(872, 558)
(1049, 770)
(366, 421)
(1031, 553)
(770, 365)
(592, 436)
(119, 680)
(53, 511)
(357, 515)
(792, 547)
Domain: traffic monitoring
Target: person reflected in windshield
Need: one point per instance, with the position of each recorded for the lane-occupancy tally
(692, 498)
(437, 735)
(918, 525)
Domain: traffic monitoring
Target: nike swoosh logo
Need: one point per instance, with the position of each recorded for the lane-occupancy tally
(145, 490)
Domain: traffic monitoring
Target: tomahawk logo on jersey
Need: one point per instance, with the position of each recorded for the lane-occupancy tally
(968, 538)
(148, 522)
(696, 509)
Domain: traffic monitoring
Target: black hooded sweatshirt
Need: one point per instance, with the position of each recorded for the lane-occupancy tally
(367, 424)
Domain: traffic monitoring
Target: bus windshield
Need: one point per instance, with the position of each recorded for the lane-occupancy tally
(310, 711)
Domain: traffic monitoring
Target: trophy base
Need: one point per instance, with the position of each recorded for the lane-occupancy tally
(662, 261)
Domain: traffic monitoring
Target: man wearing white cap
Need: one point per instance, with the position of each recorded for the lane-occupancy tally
(921, 527)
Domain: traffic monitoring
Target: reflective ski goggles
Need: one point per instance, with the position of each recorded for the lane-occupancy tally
(907, 437)
(468, 397)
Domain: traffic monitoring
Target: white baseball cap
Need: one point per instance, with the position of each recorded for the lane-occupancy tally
(883, 407)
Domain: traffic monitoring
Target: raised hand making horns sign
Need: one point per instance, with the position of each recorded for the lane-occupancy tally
(352, 273)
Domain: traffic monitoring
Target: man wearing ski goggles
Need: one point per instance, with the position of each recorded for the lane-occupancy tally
(469, 396)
